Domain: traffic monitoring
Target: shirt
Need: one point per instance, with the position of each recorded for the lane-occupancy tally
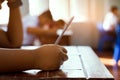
(110, 19)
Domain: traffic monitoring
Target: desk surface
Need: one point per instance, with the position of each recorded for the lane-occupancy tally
(83, 64)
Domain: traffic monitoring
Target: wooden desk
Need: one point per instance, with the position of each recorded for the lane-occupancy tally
(83, 64)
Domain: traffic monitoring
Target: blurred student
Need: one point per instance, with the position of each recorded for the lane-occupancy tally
(47, 28)
(110, 21)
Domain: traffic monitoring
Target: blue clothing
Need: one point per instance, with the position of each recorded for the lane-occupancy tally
(117, 44)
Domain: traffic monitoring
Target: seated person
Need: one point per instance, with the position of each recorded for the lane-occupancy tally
(108, 35)
(47, 28)
(110, 21)
(46, 57)
(33, 21)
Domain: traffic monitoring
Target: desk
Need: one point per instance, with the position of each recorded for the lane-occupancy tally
(83, 64)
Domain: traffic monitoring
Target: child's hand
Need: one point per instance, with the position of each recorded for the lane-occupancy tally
(50, 57)
(14, 3)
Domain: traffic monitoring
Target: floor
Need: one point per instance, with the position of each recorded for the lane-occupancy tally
(106, 58)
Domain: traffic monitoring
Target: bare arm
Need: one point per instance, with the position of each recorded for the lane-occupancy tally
(41, 31)
(13, 37)
(47, 57)
(12, 60)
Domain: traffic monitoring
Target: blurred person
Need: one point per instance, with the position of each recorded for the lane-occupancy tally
(46, 57)
(47, 28)
(44, 23)
(110, 21)
(107, 30)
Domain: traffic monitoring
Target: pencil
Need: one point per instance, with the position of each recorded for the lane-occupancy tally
(65, 28)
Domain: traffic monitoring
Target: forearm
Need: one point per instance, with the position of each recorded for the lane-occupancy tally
(15, 32)
(47, 57)
(12, 60)
(40, 31)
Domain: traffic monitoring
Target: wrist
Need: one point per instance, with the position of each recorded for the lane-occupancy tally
(30, 59)
(36, 58)
(14, 3)
(33, 59)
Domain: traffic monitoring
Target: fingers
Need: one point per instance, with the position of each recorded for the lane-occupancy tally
(63, 55)
(63, 52)
(63, 49)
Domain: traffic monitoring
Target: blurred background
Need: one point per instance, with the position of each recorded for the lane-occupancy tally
(88, 14)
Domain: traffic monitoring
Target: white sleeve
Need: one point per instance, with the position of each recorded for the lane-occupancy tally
(109, 20)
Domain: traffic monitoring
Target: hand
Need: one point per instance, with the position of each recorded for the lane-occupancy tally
(14, 3)
(50, 57)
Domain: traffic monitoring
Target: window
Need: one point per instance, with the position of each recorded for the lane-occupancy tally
(67, 8)
(59, 9)
(36, 7)
(83, 10)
